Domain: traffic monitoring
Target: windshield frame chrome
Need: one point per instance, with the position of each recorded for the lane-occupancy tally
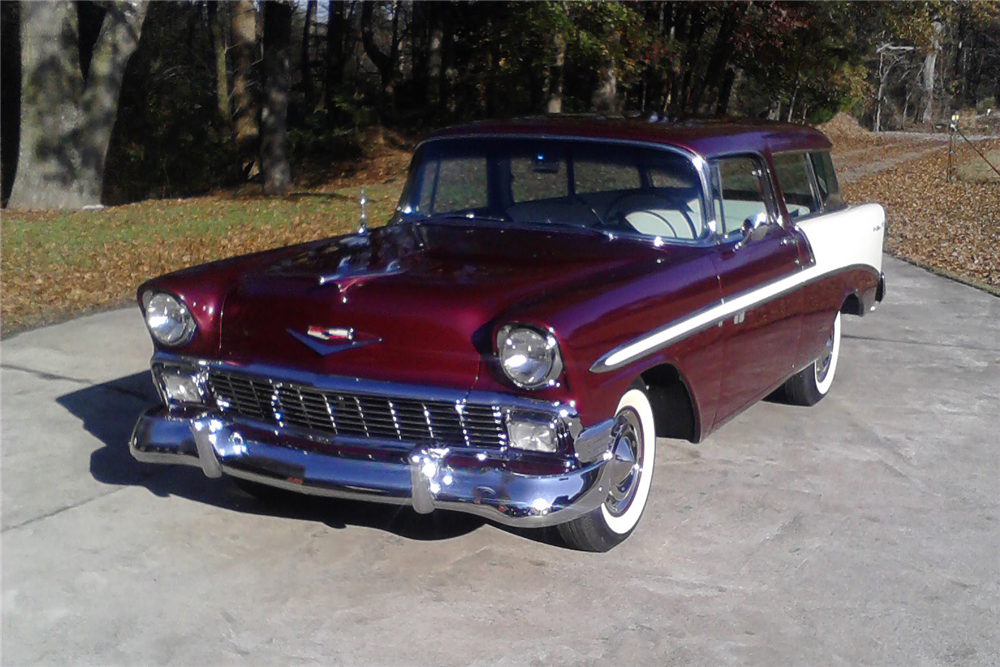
(698, 162)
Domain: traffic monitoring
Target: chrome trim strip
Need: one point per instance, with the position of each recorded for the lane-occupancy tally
(708, 317)
(698, 161)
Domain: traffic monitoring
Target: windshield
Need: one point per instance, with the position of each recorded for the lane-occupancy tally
(609, 187)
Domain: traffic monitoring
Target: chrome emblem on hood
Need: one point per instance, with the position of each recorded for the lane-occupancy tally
(337, 333)
(328, 340)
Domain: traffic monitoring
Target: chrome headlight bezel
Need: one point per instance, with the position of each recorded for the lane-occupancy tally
(181, 385)
(547, 362)
(177, 327)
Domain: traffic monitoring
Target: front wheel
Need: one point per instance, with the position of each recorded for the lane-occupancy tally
(811, 384)
(633, 452)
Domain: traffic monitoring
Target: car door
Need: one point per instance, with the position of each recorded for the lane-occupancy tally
(761, 337)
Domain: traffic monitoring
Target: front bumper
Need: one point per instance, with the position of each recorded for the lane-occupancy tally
(426, 477)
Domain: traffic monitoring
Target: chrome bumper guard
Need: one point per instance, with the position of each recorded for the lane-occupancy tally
(425, 477)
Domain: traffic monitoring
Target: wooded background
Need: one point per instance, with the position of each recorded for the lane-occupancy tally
(114, 102)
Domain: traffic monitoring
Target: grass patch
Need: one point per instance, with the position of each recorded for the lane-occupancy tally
(59, 264)
(975, 169)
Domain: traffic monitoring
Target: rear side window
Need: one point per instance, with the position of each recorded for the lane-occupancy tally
(792, 170)
(737, 192)
(826, 179)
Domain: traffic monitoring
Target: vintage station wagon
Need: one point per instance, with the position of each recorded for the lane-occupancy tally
(552, 295)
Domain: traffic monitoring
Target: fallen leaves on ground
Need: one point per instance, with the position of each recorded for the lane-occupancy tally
(952, 227)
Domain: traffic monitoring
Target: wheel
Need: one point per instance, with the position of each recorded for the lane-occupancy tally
(812, 383)
(634, 452)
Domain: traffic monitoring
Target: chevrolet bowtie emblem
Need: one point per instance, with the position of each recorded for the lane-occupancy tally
(328, 340)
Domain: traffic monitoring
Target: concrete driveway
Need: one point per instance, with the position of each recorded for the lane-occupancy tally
(864, 531)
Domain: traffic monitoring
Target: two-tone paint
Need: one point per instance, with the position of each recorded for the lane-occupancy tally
(732, 318)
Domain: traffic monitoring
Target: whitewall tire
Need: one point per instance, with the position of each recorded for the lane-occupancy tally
(811, 384)
(630, 475)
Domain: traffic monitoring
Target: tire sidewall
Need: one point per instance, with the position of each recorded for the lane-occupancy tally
(621, 526)
(823, 388)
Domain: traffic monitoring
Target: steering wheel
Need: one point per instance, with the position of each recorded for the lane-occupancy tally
(647, 202)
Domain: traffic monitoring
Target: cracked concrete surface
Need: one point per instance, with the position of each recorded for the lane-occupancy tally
(864, 531)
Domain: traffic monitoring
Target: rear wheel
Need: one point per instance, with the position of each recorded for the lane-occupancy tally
(812, 383)
(631, 473)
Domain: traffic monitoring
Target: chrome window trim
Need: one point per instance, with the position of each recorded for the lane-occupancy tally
(821, 208)
(767, 184)
(698, 162)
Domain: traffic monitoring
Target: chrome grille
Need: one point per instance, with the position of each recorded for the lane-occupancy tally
(322, 411)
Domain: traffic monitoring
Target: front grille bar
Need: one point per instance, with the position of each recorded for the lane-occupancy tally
(325, 412)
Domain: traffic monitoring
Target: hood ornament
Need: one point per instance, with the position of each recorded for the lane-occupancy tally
(363, 220)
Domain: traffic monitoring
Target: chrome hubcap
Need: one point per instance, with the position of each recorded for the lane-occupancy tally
(626, 462)
(823, 363)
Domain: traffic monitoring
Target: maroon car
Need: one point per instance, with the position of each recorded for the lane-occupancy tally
(551, 295)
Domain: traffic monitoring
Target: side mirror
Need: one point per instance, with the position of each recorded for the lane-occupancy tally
(755, 227)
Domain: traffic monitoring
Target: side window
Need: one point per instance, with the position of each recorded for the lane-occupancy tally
(826, 179)
(792, 170)
(604, 176)
(737, 192)
(454, 184)
(538, 177)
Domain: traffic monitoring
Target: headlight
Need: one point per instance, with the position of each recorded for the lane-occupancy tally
(168, 318)
(529, 357)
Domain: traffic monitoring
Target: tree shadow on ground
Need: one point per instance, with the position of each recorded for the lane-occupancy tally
(109, 412)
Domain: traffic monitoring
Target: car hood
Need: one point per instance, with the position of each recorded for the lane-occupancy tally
(414, 303)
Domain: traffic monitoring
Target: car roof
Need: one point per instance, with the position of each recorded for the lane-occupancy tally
(708, 137)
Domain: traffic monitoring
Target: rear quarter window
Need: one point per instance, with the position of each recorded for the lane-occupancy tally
(826, 179)
(792, 170)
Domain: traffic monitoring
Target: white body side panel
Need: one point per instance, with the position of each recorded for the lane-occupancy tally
(851, 237)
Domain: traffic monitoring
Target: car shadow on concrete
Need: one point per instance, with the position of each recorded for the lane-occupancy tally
(109, 412)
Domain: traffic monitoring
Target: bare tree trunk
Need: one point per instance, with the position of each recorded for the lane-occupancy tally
(277, 82)
(722, 50)
(336, 34)
(217, 24)
(880, 94)
(725, 92)
(245, 107)
(434, 63)
(556, 73)
(930, 65)
(385, 63)
(67, 114)
(306, 64)
(605, 96)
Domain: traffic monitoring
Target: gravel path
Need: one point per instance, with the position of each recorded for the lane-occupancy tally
(856, 163)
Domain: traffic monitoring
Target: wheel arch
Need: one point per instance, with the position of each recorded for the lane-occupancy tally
(852, 305)
(674, 410)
